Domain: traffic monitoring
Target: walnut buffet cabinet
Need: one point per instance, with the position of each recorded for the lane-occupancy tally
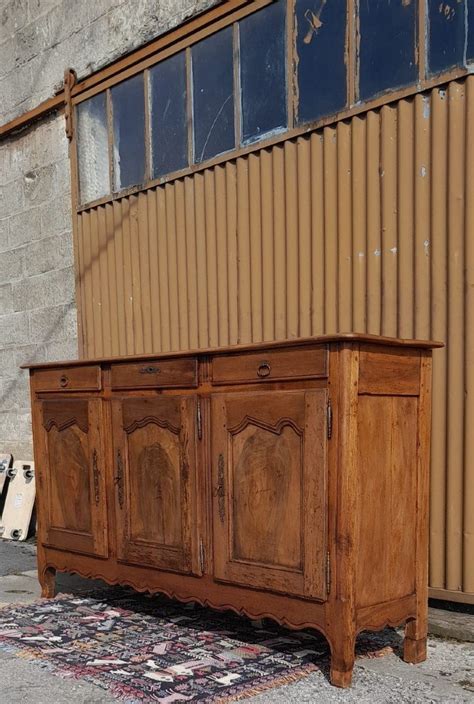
(286, 480)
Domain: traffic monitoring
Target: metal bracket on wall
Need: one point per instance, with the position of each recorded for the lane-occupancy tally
(70, 79)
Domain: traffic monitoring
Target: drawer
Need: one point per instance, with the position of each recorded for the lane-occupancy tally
(155, 374)
(271, 365)
(68, 379)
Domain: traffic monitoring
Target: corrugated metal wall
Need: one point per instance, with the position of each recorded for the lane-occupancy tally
(360, 226)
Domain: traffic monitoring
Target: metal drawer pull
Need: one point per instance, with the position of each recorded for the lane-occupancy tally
(263, 369)
(63, 381)
(150, 370)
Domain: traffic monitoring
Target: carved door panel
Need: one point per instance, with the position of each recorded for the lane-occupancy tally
(269, 490)
(156, 492)
(72, 475)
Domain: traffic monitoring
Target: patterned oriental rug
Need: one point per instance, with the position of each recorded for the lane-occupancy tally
(144, 649)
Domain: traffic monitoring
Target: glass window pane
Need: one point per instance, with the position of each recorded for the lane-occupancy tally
(213, 95)
(93, 148)
(446, 23)
(168, 115)
(320, 42)
(128, 105)
(388, 51)
(263, 71)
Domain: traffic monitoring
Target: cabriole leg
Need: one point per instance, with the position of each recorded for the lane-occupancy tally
(47, 579)
(414, 645)
(342, 661)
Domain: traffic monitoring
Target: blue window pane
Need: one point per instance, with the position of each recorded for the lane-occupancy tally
(129, 132)
(213, 95)
(169, 136)
(263, 71)
(446, 34)
(388, 51)
(320, 43)
(93, 148)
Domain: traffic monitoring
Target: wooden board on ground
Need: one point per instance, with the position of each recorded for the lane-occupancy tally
(5, 462)
(20, 500)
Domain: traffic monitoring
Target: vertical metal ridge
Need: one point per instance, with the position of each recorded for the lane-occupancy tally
(359, 223)
(232, 257)
(330, 229)
(163, 268)
(268, 271)
(374, 228)
(344, 227)
(171, 264)
(468, 484)
(243, 251)
(304, 251)
(191, 261)
(220, 208)
(439, 244)
(110, 280)
(455, 340)
(255, 246)
(121, 345)
(279, 220)
(136, 303)
(318, 317)
(405, 223)
(292, 239)
(156, 332)
(422, 217)
(389, 184)
(211, 256)
(144, 283)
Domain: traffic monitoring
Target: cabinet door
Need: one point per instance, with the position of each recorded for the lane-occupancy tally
(155, 466)
(269, 490)
(72, 475)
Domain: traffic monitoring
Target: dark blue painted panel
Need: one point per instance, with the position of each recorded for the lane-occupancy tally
(388, 38)
(169, 132)
(213, 95)
(470, 30)
(446, 33)
(320, 48)
(129, 132)
(263, 71)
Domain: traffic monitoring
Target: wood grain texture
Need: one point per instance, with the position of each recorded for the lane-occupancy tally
(174, 372)
(83, 378)
(245, 497)
(275, 365)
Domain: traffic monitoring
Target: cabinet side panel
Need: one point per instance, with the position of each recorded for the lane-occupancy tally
(387, 471)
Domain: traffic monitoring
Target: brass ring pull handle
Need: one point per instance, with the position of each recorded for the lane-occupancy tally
(263, 369)
(150, 370)
(63, 381)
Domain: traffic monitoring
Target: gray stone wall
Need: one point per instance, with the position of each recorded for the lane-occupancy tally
(38, 40)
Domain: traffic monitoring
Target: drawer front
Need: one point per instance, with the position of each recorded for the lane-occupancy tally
(155, 374)
(271, 365)
(68, 379)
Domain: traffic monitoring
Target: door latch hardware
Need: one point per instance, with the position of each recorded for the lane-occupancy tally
(329, 419)
(328, 573)
(96, 473)
(201, 555)
(199, 419)
(119, 479)
(220, 493)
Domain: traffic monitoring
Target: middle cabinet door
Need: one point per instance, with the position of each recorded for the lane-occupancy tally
(155, 482)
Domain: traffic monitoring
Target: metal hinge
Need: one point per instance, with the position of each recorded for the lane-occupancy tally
(201, 555)
(329, 418)
(328, 573)
(199, 418)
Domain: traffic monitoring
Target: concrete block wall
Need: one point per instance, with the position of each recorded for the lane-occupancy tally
(38, 40)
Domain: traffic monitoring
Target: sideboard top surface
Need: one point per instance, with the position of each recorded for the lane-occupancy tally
(295, 342)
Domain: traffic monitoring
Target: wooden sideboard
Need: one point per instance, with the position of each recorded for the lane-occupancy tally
(286, 480)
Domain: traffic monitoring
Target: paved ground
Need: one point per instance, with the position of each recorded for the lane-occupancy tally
(447, 676)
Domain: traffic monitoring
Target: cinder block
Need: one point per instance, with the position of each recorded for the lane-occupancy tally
(12, 198)
(51, 289)
(39, 185)
(24, 227)
(53, 324)
(6, 299)
(14, 16)
(56, 217)
(14, 329)
(65, 349)
(11, 266)
(49, 254)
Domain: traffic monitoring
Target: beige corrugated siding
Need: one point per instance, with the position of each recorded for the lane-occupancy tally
(365, 225)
